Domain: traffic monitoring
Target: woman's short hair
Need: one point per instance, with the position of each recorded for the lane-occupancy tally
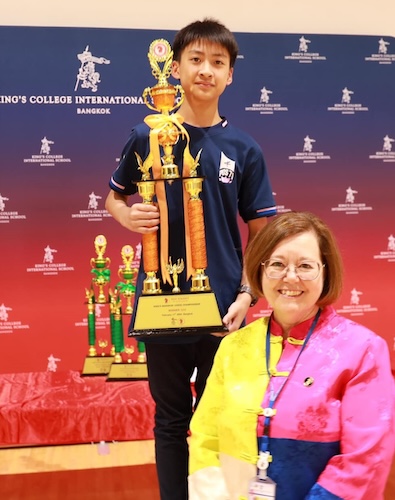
(289, 224)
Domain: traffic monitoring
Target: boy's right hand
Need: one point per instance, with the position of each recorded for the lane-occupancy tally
(142, 218)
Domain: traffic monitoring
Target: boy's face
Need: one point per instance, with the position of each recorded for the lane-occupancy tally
(203, 70)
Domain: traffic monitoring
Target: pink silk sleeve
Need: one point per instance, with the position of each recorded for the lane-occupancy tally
(368, 429)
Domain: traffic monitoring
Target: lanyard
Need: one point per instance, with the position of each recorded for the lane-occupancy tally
(269, 412)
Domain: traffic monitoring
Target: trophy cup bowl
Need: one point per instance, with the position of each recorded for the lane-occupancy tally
(163, 97)
(99, 262)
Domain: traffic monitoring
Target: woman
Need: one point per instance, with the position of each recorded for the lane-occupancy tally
(315, 387)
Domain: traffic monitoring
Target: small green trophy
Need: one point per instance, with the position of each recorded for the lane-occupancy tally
(125, 369)
(97, 364)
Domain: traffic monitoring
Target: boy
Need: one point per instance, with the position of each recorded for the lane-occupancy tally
(235, 182)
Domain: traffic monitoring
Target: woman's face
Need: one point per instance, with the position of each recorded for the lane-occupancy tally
(294, 300)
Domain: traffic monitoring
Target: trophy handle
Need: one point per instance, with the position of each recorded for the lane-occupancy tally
(147, 92)
(178, 88)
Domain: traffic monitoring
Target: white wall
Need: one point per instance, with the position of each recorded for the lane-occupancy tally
(353, 17)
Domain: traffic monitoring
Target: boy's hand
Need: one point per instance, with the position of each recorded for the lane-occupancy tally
(236, 313)
(141, 218)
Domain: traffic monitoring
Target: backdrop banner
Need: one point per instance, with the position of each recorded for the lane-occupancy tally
(321, 107)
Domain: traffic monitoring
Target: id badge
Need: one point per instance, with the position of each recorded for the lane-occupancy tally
(262, 489)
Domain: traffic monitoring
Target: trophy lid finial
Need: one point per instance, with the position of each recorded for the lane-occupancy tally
(160, 52)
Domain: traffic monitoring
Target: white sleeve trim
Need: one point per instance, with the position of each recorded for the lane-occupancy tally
(207, 484)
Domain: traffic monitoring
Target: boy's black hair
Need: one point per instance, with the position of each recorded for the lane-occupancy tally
(208, 30)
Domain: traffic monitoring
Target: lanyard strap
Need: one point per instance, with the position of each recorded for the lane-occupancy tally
(269, 412)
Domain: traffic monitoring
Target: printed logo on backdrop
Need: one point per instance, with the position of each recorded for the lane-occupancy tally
(46, 158)
(7, 325)
(383, 55)
(303, 55)
(87, 73)
(357, 306)
(93, 212)
(389, 253)
(7, 216)
(49, 267)
(263, 312)
(308, 155)
(265, 106)
(52, 365)
(86, 79)
(137, 255)
(102, 318)
(350, 206)
(345, 106)
(281, 208)
(386, 154)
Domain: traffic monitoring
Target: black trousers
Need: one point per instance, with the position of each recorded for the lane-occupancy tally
(170, 367)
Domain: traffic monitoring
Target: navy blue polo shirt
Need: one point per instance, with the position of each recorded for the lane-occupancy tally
(236, 184)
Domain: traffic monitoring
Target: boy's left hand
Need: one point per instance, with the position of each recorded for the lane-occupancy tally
(236, 313)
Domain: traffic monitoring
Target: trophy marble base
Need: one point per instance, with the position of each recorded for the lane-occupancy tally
(127, 371)
(97, 365)
(193, 313)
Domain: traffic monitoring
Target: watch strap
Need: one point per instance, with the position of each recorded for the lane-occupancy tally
(247, 289)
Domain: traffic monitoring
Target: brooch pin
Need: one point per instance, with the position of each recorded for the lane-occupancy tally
(308, 381)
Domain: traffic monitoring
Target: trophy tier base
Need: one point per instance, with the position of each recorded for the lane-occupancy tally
(177, 314)
(127, 371)
(180, 332)
(97, 365)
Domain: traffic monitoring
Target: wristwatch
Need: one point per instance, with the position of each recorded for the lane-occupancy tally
(247, 289)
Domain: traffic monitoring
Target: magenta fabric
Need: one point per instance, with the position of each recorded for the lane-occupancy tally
(45, 408)
(350, 399)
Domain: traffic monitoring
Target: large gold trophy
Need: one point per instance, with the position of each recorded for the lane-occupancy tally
(179, 312)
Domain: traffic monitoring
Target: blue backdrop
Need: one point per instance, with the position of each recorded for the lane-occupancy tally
(320, 106)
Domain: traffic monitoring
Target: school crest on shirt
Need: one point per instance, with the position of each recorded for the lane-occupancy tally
(226, 169)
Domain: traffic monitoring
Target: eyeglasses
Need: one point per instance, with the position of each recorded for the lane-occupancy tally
(307, 270)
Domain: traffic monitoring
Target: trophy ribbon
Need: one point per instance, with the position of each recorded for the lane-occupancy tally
(157, 123)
